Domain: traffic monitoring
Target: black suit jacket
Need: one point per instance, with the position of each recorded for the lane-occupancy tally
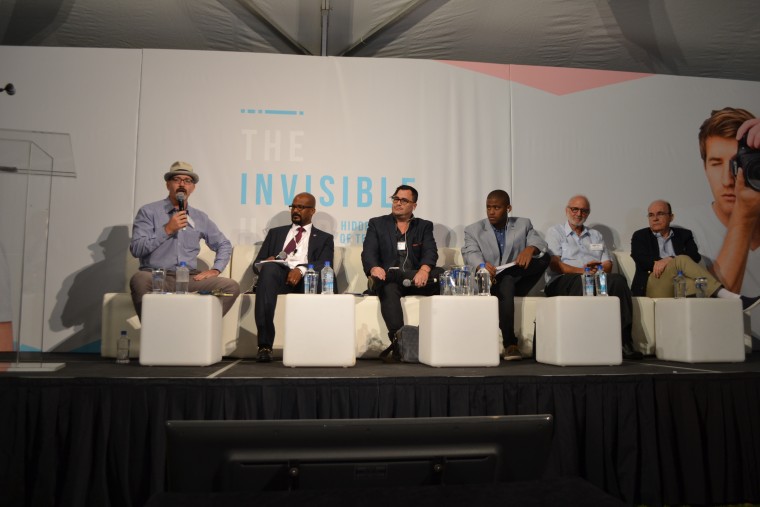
(380, 247)
(645, 251)
(321, 247)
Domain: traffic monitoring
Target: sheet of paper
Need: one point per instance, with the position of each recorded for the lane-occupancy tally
(281, 262)
(501, 268)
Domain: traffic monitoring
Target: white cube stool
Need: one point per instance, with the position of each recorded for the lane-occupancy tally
(577, 330)
(459, 331)
(318, 329)
(181, 330)
(696, 330)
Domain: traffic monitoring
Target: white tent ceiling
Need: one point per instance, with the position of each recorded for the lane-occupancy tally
(705, 38)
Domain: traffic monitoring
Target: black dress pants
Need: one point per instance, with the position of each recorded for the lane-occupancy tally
(511, 283)
(271, 284)
(391, 290)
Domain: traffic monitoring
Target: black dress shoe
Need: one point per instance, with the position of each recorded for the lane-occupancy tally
(630, 353)
(391, 354)
(264, 355)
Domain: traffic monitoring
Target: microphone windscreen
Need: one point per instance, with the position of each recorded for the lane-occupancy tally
(181, 200)
(408, 283)
(281, 256)
(10, 89)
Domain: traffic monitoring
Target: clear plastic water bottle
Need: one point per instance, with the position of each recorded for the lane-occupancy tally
(122, 348)
(443, 283)
(455, 287)
(588, 282)
(700, 284)
(465, 281)
(483, 281)
(328, 279)
(182, 280)
(310, 280)
(679, 285)
(601, 282)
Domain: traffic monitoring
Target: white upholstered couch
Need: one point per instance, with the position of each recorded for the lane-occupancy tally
(239, 327)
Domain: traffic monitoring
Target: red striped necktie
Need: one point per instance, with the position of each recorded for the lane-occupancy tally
(291, 246)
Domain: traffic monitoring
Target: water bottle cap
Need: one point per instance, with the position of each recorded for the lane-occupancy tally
(311, 266)
(680, 272)
(327, 264)
(587, 268)
(482, 264)
(182, 264)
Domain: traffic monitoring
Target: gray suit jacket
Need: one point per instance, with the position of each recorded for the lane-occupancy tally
(480, 241)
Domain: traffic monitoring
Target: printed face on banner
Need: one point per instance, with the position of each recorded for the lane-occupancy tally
(718, 154)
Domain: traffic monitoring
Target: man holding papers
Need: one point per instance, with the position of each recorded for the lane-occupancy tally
(500, 240)
(298, 245)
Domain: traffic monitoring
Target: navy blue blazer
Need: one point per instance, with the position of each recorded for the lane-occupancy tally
(381, 249)
(645, 251)
(321, 246)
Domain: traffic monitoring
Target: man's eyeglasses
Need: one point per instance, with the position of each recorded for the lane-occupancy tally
(299, 207)
(582, 211)
(186, 181)
(401, 200)
(659, 214)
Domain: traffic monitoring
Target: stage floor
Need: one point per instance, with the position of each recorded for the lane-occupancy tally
(94, 366)
(648, 432)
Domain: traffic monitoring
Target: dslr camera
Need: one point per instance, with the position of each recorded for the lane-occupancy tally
(749, 160)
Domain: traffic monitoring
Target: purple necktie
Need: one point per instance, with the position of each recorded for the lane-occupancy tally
(291, 246)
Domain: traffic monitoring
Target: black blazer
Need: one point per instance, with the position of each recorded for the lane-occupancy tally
(645, 251)
(380, 248)
(321, 247)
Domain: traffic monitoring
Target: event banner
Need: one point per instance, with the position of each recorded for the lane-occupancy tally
(261, 128)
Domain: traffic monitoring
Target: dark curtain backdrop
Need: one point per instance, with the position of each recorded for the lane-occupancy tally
(669, 439)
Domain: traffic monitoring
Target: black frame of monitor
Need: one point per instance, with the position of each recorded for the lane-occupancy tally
(265, 455)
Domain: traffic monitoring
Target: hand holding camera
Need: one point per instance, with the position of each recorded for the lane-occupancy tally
(748, 158)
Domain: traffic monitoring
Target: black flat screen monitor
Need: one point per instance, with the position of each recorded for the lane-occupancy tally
(226, 456)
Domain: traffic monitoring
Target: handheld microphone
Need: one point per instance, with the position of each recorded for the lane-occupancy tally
(281, 256)
(408, 283)
(181, 203)
(9, 89)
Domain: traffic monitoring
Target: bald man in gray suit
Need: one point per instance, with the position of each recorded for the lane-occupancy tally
(500, 239)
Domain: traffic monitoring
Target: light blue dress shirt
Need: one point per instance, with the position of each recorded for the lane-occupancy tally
(573, 249)
(156, 249)
(665, 244)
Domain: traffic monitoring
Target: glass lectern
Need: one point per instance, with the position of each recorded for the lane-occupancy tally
(29, 162)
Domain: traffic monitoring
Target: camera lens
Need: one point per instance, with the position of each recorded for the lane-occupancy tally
(750, 164)
(749, 160)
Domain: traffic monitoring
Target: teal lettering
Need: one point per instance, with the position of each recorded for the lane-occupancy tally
(328, 198)
(264, 187)
(363, 192)
(288, 193)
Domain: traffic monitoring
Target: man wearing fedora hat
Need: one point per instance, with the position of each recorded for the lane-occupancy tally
(168, 232)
